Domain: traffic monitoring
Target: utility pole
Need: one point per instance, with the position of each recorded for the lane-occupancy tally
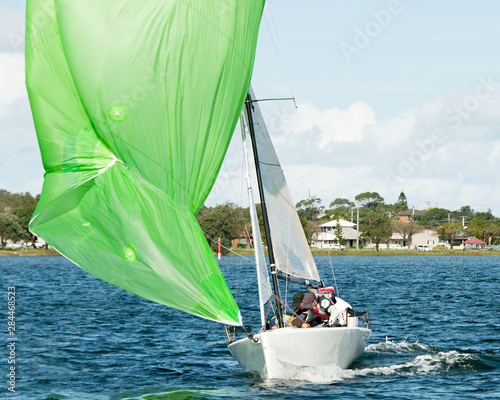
(357, 225)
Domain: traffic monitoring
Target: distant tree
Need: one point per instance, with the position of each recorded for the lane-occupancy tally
(24, 211)
(339, 202)
(310, 208)
(406, 230)
(449, 231)
(10, 229)
(224, 221)
(342, 208)
(434, 217)
(5, 203)
(377, 228)
(369, 200)
(339, 234)
(483, 226)
(311, 229)
(466, 211)
(342, 203)
(401, 204)
(485, 216)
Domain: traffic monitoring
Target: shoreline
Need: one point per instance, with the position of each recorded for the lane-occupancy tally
(30, 252)
(336, 253)
(363, 252)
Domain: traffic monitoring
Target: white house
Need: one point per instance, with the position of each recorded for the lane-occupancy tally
(325, 237)
(427, 237)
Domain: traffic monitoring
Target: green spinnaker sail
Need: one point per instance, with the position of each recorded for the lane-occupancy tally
(134, 104)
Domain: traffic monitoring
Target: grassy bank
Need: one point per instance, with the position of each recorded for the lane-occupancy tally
(370, 252)
(385, 252)
(362, 252)
(29, 252)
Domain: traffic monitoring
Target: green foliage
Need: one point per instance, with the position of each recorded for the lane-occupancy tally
(434, 217)
(406, 230)
(377, 228)
(401, 204)
(465, 211)
(339, 234)
(24, 211)
(339, 202)
(342, 208)
(310, 208)
(483, 226)
(10, 229)
(449, 231)
(369, 200)
(226, 221)
(22, 206)
(10, 201)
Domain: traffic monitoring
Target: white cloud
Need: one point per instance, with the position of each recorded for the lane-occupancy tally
(335, 125)
(12, 86)
(11, 30)
(417, 151)
(20, 161)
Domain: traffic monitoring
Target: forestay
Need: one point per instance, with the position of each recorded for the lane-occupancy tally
(134, 105)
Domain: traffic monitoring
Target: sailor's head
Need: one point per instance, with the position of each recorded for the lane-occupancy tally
(297, 299)
(303, 300)
(308, 301)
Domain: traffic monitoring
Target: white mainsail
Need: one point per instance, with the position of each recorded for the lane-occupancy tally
(291, 250)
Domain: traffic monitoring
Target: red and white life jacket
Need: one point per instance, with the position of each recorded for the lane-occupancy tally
(321, 306)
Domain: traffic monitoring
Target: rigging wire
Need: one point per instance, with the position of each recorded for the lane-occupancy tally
(226, 170)
(237, 280)
(286, 290)
(227, 248)
(178, 207)
(333, 273)
(278, 54)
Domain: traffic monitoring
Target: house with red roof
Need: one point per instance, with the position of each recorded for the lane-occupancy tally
(474, 243)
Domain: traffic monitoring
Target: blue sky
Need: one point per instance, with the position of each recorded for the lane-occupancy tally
(391, 95)
(426, 49)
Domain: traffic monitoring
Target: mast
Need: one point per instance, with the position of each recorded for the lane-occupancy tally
(265, 291)
(267, 229)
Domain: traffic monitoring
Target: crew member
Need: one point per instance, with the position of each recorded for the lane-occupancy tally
(320, 310)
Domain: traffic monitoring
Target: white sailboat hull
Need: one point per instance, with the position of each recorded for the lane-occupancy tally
(276, 353)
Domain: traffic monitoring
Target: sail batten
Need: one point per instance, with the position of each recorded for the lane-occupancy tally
(158, 86)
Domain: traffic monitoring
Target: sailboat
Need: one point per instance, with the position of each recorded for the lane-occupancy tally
(134, 107)
(275, 353)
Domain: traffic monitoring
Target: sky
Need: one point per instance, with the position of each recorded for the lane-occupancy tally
(391, 96)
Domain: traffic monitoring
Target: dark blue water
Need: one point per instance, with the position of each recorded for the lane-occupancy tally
(435, 322)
